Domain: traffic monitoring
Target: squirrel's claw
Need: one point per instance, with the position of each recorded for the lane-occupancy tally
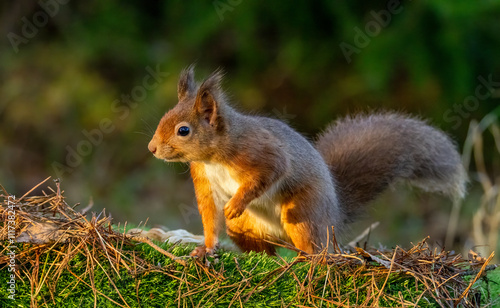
(202, 251)
(231, 211)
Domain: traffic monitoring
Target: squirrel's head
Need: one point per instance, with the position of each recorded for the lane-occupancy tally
(194, 128)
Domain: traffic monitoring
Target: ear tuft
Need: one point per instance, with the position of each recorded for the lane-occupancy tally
(186, 87)
(210, 98)
(213, 82)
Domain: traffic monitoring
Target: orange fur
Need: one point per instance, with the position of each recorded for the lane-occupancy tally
(255, 171)
(210, 217)
(245, 233)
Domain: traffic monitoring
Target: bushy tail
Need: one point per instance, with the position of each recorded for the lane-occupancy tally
(367, 153)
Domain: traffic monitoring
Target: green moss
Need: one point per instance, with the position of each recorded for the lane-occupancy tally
(250, 279)
(488, 289)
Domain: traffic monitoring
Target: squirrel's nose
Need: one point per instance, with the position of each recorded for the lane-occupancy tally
(152, 147)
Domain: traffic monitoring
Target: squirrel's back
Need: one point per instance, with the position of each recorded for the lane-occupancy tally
(305, 160)
(367, 153)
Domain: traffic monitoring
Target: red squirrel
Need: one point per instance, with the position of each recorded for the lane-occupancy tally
(266, 181)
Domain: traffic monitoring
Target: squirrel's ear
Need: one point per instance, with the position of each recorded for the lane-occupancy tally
(187, 86)
(209, 98)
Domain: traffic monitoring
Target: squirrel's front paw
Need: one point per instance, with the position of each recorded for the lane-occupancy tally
(232, 210)
(202, 251)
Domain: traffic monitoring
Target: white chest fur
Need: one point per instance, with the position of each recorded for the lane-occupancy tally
(266, 208)
(222, 182)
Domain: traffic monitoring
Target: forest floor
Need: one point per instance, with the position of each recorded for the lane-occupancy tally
(55, 256)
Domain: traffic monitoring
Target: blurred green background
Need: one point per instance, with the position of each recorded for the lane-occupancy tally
(84, 84)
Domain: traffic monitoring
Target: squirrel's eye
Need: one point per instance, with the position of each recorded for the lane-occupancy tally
(183, 131)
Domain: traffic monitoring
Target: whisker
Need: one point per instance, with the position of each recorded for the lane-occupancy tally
(143, 133)
(151, 130)
(187, 168)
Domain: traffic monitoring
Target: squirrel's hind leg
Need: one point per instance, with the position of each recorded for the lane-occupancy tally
(306, 221)
(247, 236)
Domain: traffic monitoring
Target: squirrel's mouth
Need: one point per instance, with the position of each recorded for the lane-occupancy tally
(174, 158)
(168, 154)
